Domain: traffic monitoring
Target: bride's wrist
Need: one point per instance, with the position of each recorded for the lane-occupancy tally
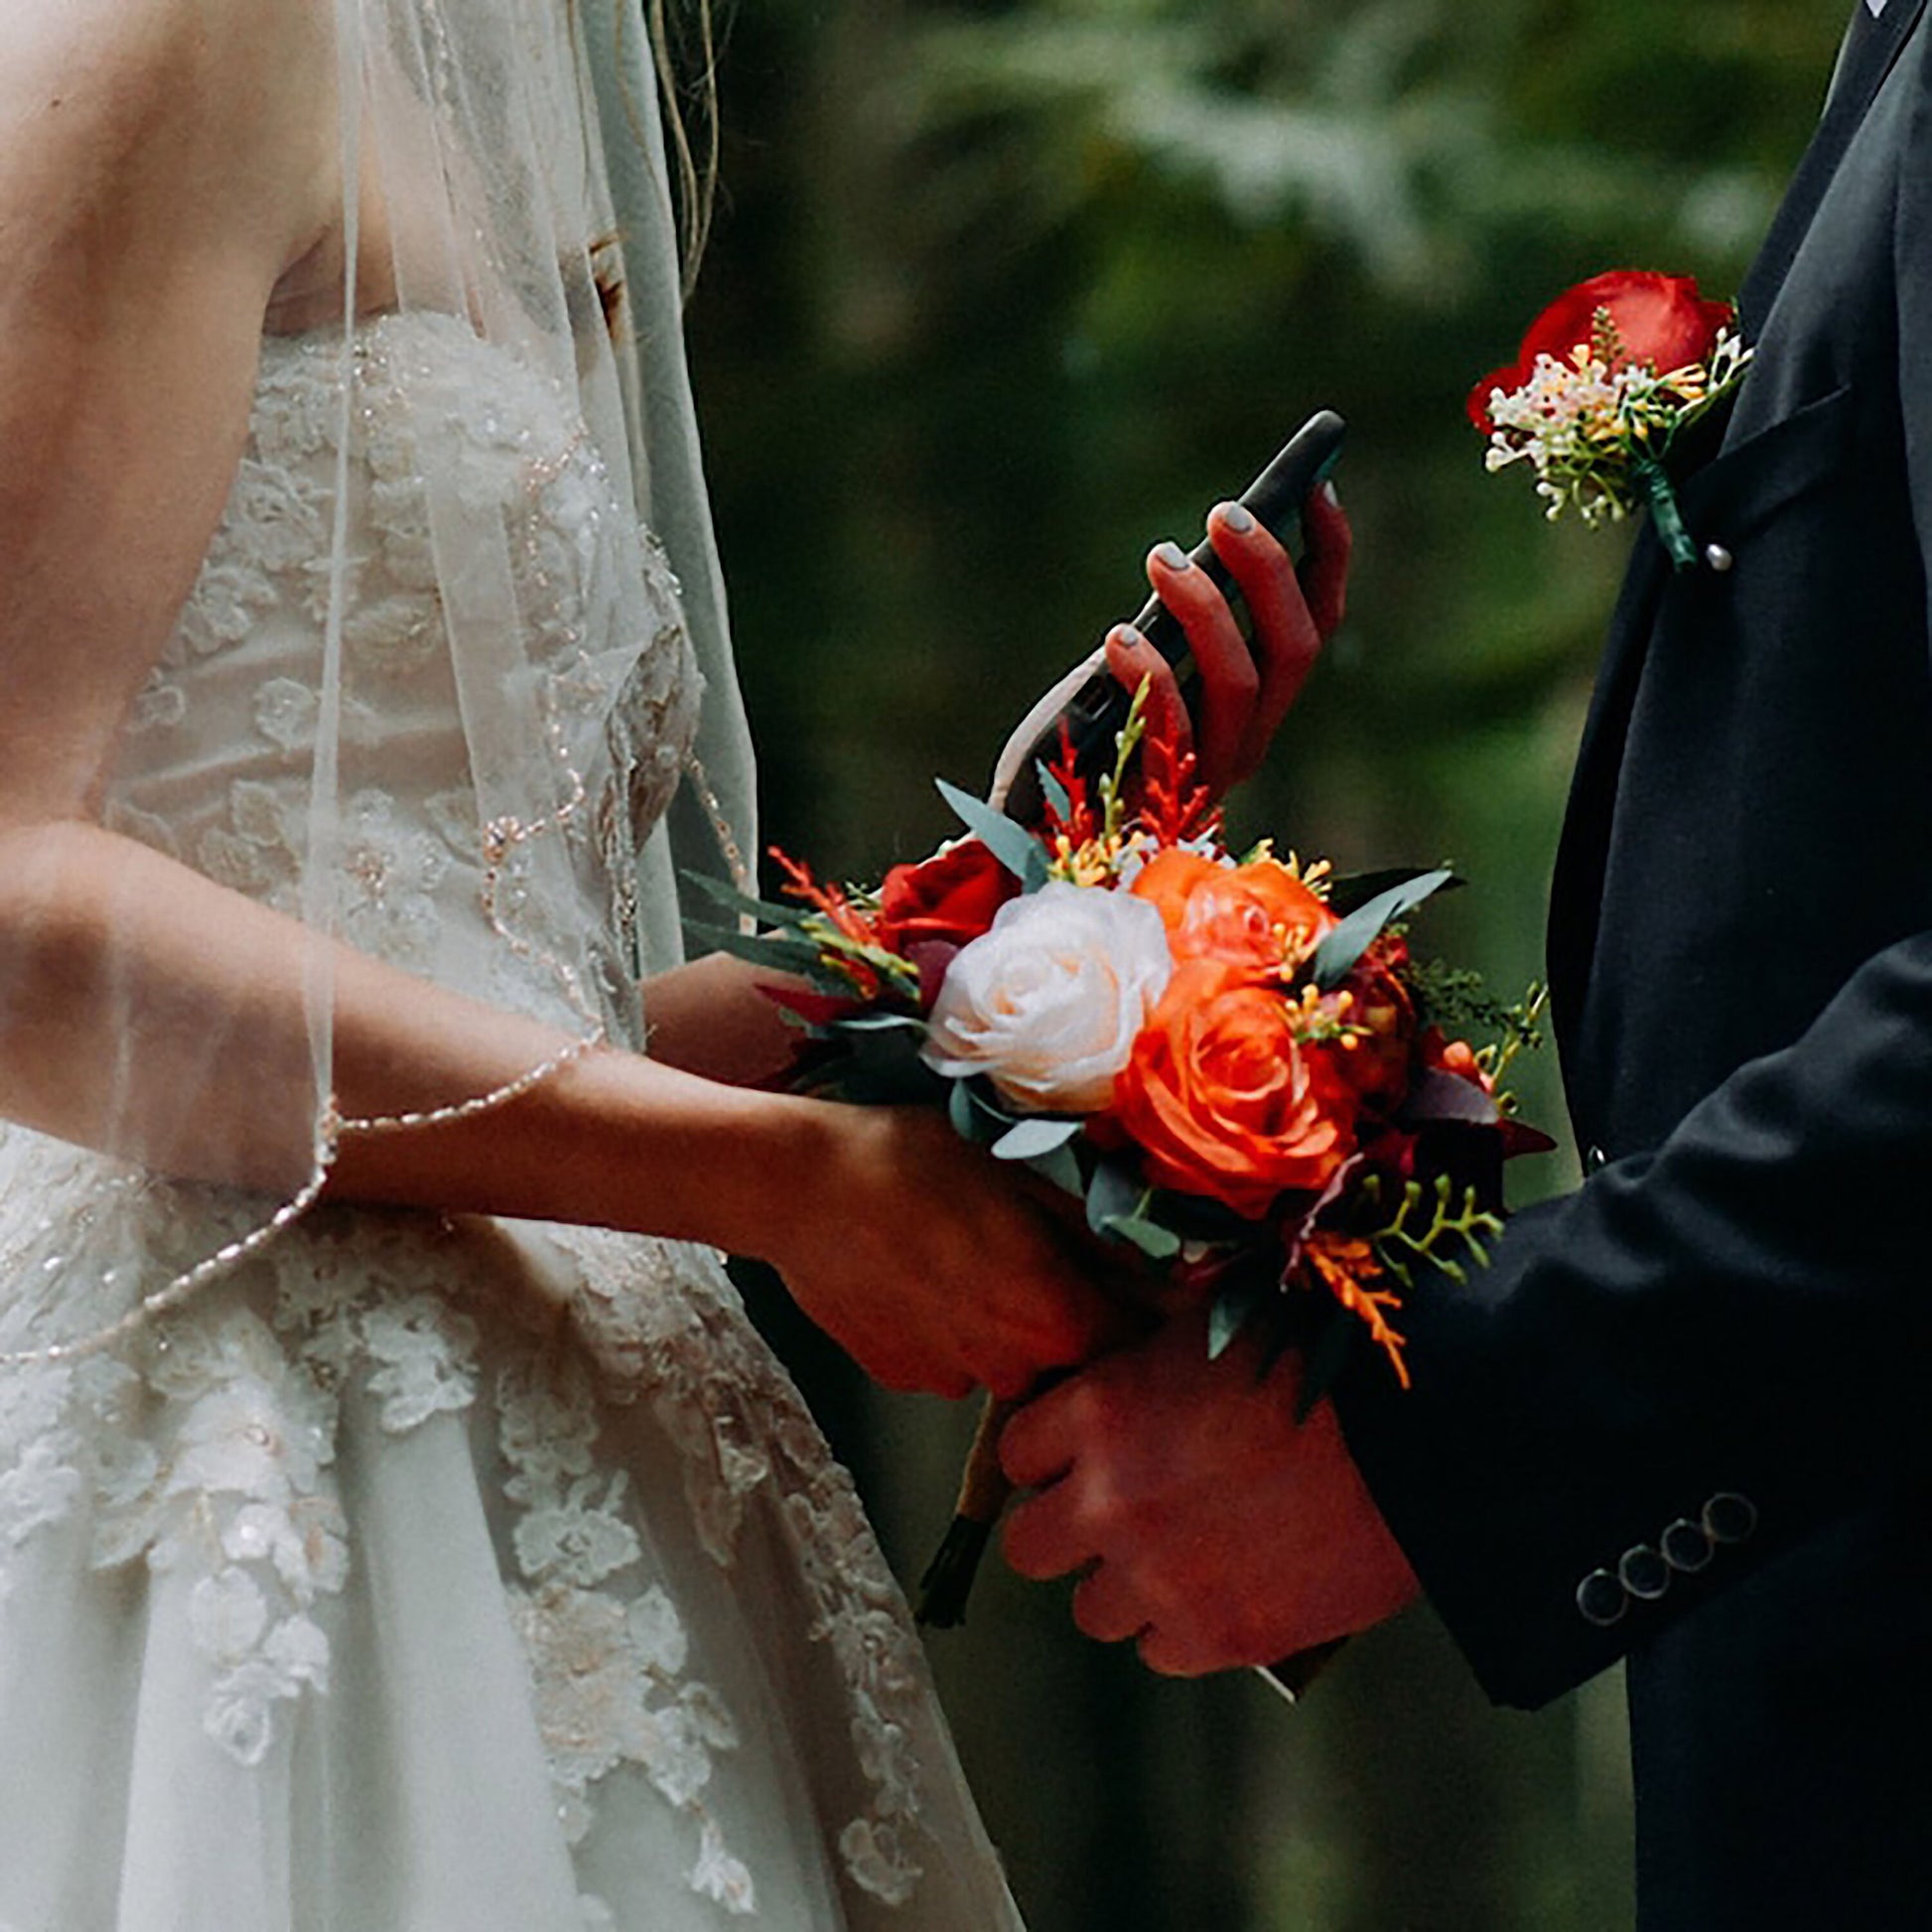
(696, 1159)
(771, 1155)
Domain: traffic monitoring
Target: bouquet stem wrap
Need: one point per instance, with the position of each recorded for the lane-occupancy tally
(984, 1493)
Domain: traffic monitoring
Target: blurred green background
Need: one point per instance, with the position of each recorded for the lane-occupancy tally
(1002, 292)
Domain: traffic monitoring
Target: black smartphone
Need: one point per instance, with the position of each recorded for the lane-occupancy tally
(1095, 712)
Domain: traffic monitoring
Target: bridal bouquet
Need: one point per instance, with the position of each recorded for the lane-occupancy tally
(1610, 376)
(1232, 1063)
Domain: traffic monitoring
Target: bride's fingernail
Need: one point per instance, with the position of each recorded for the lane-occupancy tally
(1330, 494)
(1126, 637)
(1236, 519)
(1172, 556)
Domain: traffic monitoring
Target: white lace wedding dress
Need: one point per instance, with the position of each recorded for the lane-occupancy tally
(429, 1575)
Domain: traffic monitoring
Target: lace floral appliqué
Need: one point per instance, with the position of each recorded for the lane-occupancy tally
(676, 1335)
(608, 1670)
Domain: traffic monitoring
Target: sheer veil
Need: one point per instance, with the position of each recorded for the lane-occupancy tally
(398, 621)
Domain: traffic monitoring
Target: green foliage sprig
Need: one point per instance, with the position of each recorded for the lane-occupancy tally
(1434, 1225)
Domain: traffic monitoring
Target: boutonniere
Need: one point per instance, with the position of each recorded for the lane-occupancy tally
(1607, 380)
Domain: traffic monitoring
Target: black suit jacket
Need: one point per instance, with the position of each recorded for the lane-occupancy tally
(1687, 1415)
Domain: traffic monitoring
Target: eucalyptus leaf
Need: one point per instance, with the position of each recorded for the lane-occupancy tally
(881, 1046)
(976, 1117)
(1012, 845)
(1153, 1240)
(1061, 1165)
(722, 892)
(1033, 1137)
(882, 1023)
(1053, 790)
(1337, 955)
(777, 950)
(1112, 1194)
(1234, 1307)
(1353, 890)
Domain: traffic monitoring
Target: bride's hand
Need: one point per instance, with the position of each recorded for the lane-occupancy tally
(1245, 690)
(928, 1263)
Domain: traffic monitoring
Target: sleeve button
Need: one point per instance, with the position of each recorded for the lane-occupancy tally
(1602, 1599)
(1686, 1546)
(1594, 1159)
(1729, 1518)
(1644, 1574)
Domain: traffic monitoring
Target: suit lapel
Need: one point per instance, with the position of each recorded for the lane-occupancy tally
(1584, 850)
(1872, 49)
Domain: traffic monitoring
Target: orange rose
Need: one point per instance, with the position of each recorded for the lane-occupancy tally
(1257, 916)
(1224, 1100)
(1167, 881)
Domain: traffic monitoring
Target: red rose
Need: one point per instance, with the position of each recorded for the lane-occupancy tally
(951, 898)
(1660, 320)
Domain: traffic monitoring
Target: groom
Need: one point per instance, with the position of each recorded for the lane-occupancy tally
(1687, 1418)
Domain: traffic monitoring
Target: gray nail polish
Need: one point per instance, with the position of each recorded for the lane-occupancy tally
(1332, 495)
(1235, 517)
(1172, 556)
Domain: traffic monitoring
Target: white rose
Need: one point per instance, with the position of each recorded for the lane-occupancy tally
(1047, 1003)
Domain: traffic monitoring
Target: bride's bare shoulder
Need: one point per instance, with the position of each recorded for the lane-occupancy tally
(215, 107)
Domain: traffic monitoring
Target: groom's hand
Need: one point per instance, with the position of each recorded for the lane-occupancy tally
(1211, 1525)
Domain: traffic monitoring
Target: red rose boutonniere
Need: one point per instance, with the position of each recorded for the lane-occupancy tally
(1607, 379)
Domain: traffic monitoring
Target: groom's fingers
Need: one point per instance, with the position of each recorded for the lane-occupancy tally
(1106, 1606)
(1046, 1535)
(1038, 1446)
(1172, 1654)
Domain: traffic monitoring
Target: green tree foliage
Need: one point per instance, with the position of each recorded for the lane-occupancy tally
(1002, 292)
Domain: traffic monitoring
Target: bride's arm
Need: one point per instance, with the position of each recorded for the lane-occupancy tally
(153, 192)
(711, 1018)
(911, 1249)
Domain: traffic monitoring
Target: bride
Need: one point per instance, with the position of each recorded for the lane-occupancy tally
(400, 1525)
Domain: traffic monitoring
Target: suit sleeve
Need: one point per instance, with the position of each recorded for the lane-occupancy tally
(1681, 1369)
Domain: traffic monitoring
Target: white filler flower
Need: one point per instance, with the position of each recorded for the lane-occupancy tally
(1048, 1003)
